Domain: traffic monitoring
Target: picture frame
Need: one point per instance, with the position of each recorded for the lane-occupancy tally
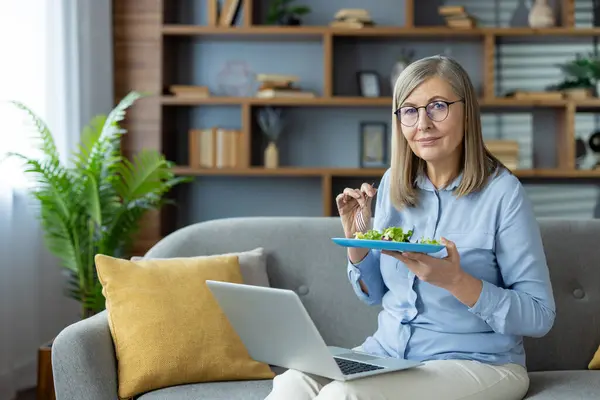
(368, 84)
(373, 145)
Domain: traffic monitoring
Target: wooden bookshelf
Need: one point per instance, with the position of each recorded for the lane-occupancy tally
(143, 32)
(281, 171)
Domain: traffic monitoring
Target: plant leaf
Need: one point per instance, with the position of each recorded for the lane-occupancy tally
(87, 156)
(96, 205)
(42, 132)
(93, 199)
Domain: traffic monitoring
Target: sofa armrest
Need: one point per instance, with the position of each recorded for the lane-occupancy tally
(83, 361)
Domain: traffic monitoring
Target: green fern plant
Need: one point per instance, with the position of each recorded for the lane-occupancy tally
(94, 204)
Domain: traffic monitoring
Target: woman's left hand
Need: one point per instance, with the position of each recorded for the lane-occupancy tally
(443, 272)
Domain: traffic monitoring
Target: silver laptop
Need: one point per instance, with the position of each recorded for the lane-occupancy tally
(276, 329)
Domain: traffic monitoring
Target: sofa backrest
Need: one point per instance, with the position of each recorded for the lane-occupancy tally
(302, 257)
(572, 250)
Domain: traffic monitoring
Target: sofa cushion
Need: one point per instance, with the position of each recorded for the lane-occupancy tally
(243, 390)
(253, 265)
(167, 327)
(554, 385)
(595, 361)
(562, 385)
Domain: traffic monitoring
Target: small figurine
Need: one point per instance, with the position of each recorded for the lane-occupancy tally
(594, 144)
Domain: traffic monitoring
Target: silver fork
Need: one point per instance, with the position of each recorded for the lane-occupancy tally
(361, 224)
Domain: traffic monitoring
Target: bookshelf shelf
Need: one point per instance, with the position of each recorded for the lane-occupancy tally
(281, 101)
(362, 172)
(558, 31)
(146, 39)
(527, 103)
(588, 105)
(281, 171)
(375, 31)
(212, 100)
(557, 173)
(199, 30)
(357, 101)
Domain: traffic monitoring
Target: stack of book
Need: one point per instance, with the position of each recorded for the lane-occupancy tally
(354, 18)
(215, 148)
(272, 85)
(507, 151)
(457, 17)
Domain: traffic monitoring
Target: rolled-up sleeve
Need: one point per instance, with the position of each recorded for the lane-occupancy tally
(369, 272)
(368, 269)
(525, 305)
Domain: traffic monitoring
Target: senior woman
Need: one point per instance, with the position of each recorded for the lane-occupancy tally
(464, 312)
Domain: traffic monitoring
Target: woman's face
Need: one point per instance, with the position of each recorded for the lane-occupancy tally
(435, 137)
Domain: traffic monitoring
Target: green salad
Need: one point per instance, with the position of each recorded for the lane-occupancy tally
(394, 234)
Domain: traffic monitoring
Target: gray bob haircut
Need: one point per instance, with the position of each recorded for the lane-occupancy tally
(477, 163)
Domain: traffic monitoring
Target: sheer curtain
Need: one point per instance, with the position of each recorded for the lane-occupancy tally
(48, 49)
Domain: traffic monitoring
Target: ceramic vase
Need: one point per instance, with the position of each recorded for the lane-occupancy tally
(541, 15)
(396, 71)
(236, 79)
(271, 156)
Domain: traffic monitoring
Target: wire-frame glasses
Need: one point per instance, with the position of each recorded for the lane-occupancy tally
(437, 111)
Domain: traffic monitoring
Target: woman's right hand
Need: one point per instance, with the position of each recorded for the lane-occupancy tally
(351, 202)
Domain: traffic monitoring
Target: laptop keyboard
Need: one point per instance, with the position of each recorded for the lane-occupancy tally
(350, 367)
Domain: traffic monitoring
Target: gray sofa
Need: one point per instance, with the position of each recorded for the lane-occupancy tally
(302, 257)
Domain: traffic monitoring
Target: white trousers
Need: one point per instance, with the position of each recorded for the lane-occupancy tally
(435, 380)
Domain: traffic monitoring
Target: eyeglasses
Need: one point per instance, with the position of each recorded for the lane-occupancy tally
(436, 110)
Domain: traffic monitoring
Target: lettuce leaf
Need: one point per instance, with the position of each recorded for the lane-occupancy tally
(397, 234)
(394, 234)
(372, 234)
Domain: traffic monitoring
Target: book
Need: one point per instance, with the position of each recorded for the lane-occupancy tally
(285, 79)
(507, 151)
(228, 148)
(457, 17)
(277, 85)
(229, 12)
(212, 12)
(189, 91)
(349, 24)
(352, 18)
(273, 93)
(450, 10)
(352, 12)
(502, 146)
(468, 22)
(201, 148)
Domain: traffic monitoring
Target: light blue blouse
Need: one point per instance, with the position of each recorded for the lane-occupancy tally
(499, 242)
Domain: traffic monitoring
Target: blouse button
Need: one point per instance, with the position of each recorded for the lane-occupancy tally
(578, 293)
(303, 290)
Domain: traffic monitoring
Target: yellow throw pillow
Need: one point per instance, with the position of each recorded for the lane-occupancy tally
(166, 325)
(595, 363)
